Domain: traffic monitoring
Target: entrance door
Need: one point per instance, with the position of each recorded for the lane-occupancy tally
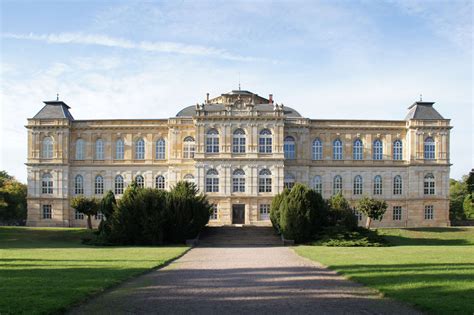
(238, 214)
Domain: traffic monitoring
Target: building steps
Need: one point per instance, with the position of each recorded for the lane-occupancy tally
(239, 236)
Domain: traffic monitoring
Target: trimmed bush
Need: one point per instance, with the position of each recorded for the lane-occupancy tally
(147, 216)
(188, 212)
(301, 213)
(125, 222)
(275, 208)
(340, 213)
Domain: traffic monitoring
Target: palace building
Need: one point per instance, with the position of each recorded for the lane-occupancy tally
(241, 149)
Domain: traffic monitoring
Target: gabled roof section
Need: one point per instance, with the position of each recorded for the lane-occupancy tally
(54, 110)
(423, 111)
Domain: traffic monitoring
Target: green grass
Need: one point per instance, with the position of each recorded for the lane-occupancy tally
(46, 270)
(429, 268)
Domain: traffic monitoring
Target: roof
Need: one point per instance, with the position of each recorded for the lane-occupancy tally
(54, 110)
(219, 103)
(423, 111)
(191, 110)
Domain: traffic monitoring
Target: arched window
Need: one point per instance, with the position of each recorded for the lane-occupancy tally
(140, 181)
(47, 150)
(238, 181)
(397, 150)
(358, 185)
(337, 185)
(160, 182)
(397, 185)
(265, 141)
(160, 149)
(318, 184)
(289, 148)
(99, 149)
(140, 149)
(357, 150)
(79, 185)
(337, 149)
(99, 185)
(188, 148)
(265, 181)
(212, 141)
(118, 185)
(212, 181)
(189, 178)
(378, 150)
(119, 150)
(317, 149)
(429, 184)
(238, 141)
(429, 152)
(289, 181)
(80, 149)
(47, 184)
(378, 185)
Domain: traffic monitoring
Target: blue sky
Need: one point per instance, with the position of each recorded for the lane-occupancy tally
(327, 59)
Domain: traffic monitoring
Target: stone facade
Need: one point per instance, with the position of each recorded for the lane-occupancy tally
(241, 149)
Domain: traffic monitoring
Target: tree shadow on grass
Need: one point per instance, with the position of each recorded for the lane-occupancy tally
(400, 240)
(436, 288)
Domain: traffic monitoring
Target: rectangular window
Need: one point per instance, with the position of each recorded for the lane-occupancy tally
(214, 212)
(47, 212)
(289, 151)
(212, 184)
(429, 187)
(238, 184)
(212, 144)
(264, 185)
(429, 212)
(357, 214)
(238, 145)
(264, 212)
(397, 213)
(265, 145)
(188, 151)
(78, 215)
(99, 216)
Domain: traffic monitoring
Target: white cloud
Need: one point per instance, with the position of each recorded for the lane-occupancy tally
(105, 40)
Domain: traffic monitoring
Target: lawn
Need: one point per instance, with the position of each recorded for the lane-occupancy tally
(431, 269)
(44, 270)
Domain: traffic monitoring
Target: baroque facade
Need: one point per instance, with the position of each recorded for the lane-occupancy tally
(241, 149)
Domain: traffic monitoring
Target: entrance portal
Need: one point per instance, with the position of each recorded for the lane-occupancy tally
(238, 214)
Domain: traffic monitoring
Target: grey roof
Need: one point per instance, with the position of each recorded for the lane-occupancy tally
(191, 110)
(54, 110)
(423, 111)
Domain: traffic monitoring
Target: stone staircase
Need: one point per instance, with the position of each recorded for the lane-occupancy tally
(228, 236)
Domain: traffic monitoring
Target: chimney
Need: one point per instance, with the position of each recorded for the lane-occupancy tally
(270, 99)
(207, 98)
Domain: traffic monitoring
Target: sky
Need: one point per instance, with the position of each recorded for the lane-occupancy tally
(148, 59)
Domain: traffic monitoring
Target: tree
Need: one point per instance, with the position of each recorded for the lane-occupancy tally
(107, 207)
(301, 213)
(87, 206)
(188, 212)
(275, 208)
(457, 193)
(374, 209)
(470, 181)
(13, 207)
(340, 212)
(468, 206)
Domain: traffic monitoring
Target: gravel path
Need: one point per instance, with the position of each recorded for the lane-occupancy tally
(242, 280)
